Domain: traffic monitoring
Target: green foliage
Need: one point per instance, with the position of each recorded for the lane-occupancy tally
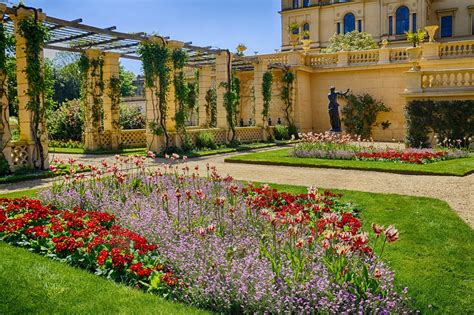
(67, 122)
(126, 80)
(231, 103)
(288, 79)
(155, 58)
(351, 41)
(267, 93)
(360, 114)
(114, 90)
(293, 27)
(67, 77)
(12, 93)
(36, 34)
(181, 91)
(131, 118)
(193, 95)
(94, 87)
(211, 107)
(452, 120)
(4, 167)
(280, 132)
(205, 140)
(416, 38)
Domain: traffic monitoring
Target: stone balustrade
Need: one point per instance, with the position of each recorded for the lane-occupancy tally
(322, 60)
(459, 49)
(447, 79)
(363, 56)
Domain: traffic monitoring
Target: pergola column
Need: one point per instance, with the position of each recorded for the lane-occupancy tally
(205, 84)
(4, 112)
(258, 72)
(26, 144)
(93, 99)
(111, 105)
(171, 101)
(222, 75)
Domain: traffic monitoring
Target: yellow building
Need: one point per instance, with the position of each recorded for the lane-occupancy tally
(384, 19)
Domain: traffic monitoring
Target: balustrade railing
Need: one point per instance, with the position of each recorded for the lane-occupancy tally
(363, 56)
(322, 60)
(447, 79)
(398, 55)
(457, 49)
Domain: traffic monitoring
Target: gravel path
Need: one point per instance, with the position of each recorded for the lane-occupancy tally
(458, 192)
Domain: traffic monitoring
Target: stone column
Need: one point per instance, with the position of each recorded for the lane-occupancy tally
(222, 73)
(27, 137)
(171, 101)
(111, 107)
(413, 82)
(259, 70)
(205, 84)
(92, 121)
(5, 135)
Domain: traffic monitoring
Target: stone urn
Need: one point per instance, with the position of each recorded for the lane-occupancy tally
(306, 44)
(414, 56)
(294, 39)
(431, 30)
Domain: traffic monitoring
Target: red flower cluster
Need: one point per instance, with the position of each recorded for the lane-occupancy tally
(413, 157)
(88, 239)
(323, 215)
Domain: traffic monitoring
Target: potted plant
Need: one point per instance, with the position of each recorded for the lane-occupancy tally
(414, 53)
(241, 48)
(293, 31)
(306, 42)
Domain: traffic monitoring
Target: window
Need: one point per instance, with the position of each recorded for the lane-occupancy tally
(390, 25)
(403, 20)
(296, 4)
(306, 29)
(349, 23)
(339, 27)
(414, 22)
(296, 31)
(359, 25)
(306, 3)
(447, 26)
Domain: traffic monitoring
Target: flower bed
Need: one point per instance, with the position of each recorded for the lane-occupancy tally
(333, 146)
(244, 249)
(86, 239)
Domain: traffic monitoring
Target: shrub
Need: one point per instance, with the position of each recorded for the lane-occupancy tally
(280, 132)
(351, 41)
(360, 114)
(205, 140)
(67, 122)
(446, 119)
(131, 117)
(70, 144)
(4, 167)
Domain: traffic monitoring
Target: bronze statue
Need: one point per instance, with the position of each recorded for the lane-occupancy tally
(334, 109)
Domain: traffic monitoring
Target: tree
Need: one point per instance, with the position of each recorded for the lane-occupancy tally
(351, 41)
(126, 79)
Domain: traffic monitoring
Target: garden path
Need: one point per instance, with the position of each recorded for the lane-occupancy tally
(458, 192)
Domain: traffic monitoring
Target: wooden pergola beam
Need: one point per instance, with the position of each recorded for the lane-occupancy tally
(86, 45)
(67, 39)
(55, 27)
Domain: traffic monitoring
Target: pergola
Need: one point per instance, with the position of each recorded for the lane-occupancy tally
(110, 45)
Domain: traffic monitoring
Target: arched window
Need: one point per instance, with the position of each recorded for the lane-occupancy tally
(349, 23)
(306, 28)
(403, 20)
(306, 3)
(296, 4)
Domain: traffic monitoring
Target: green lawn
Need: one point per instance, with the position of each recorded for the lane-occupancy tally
(434, 257)
(32, 284)
(457, 167)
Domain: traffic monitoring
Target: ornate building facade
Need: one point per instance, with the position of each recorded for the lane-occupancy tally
(384, 19)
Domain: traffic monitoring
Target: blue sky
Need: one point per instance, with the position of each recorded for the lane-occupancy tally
(225, 24)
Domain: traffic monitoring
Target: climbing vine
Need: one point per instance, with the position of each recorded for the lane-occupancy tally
(93, 87)
(232, 103)
(267, 93)
(114, 89)
(155, 58)
(3, 107)
(35, 34)
(287, 79)
(211, 107)
(181, 91)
